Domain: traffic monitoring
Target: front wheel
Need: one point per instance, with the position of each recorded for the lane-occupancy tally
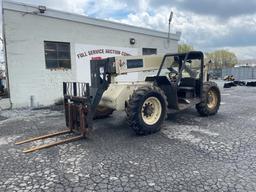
(146, 110)
(210, 99)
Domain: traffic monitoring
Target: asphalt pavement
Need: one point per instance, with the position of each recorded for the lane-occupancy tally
(191, 153)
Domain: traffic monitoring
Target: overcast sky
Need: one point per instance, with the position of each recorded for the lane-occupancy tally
(205, 24)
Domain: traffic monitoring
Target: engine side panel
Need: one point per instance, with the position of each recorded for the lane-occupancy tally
(118, 93)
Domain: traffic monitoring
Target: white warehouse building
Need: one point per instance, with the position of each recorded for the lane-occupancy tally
(45, 47)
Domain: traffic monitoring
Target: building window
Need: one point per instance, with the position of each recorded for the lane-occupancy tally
(149, 51)
(57, 55)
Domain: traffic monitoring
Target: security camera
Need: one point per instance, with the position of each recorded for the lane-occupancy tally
(41, 8)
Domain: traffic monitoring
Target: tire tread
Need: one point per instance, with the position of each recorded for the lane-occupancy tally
(133, 105)
(202, 108)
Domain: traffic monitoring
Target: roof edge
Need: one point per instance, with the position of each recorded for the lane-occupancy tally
(53, 13)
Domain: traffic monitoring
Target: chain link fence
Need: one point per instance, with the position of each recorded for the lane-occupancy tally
(240, 73)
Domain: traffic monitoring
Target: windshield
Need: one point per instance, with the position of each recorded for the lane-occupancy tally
(173, 65)
(169, 63)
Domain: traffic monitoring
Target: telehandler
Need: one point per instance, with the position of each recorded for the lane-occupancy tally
(172, 83)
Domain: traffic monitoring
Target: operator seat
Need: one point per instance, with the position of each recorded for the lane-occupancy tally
(187, 87)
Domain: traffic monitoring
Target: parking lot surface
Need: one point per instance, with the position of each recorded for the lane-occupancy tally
(191, 153)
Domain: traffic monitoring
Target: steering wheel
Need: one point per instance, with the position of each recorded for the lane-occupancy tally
(173, 74)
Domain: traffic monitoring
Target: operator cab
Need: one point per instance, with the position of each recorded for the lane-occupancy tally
(181, 78)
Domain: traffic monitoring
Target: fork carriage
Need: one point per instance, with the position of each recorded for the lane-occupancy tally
(77, 105)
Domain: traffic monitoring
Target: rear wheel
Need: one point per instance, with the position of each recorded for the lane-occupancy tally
(210, 99)
(146, 110)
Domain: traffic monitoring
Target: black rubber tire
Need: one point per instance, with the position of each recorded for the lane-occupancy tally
(202, 108)
(102, 112)
(135, 105)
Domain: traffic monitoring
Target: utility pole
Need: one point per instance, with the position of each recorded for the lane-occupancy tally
(169, 27)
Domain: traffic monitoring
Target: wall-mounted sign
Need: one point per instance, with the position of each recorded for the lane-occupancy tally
(85, 53)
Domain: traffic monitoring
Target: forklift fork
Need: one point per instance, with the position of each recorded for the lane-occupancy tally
(77, 114)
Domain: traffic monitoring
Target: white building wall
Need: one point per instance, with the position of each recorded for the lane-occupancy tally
(25, 35)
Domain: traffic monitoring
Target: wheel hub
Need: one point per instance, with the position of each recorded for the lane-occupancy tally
(151, 110)
(148, 109)
(212, 99)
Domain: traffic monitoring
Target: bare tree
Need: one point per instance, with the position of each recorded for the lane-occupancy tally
(221, 59)
(183, 48)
